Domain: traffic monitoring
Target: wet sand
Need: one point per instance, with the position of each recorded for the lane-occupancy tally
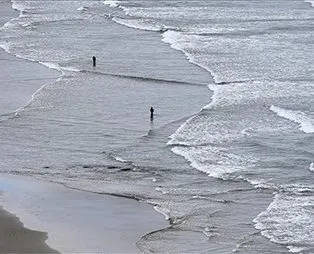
(17, 86)
(45, 215)
(42, 213)
(15, 238)
(76, 221)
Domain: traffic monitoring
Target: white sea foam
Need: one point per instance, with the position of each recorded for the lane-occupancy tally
(310, 1)
(288, 219)
(19, 110)
(186, 43)
(111, 3)
(69, 68)
(117, 158)
(141, 24)
(212, 161)
(294, 249)
(258, 183)
(57, 67)
(164, 192)
(205, 128)
(305, 122)
(239, 92)
(165, 212)
(5, 47)
(54, 66)
(312, 167)
(9, 25)
(82, 8)
(210, 231)
(19, 5)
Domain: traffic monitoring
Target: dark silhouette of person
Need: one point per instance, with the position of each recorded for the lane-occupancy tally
(94, 61)
(151, 113)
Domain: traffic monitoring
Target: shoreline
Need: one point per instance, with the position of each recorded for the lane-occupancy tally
(60, 211)
(17, 89)
(20, 81)
(20, 234)
(20, 78)
(16, 238)
(27, 231)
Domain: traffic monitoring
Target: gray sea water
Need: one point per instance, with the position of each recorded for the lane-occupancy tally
(228, 158)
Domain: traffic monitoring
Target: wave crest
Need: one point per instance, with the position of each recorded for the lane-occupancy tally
(304, 121)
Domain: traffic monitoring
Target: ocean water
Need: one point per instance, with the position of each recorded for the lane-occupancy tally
(228, 158)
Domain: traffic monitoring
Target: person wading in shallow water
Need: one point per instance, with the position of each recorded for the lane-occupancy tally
(94, 61)
(151, 113)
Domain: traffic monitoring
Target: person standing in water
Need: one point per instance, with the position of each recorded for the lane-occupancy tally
(94, 61)
(151, 113)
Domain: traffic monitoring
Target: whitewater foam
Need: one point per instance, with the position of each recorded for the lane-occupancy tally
(305, 122)
(19, 6)
(117, 158)
(111, 3)
(288, 219)
(82, 8)
(5, 47)
(310, 1)
(312, 167)
(141, 24)
(294, 249)
(212, 161)
(188, 42)
(164, 211)
(172, 35)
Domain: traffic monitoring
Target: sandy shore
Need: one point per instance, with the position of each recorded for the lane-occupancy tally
(41, 213)
(15, 238)
(17, 86)
(54, 212)
(76, 221)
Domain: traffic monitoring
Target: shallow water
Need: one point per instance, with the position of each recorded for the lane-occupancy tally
(232, 87)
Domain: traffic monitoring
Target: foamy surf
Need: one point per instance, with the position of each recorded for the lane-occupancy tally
(165, 212)
(234, 123)
(310, 2)
(112, 4)
(19, 6)
(57, 67)
(294, 249)
(212, 161)
(299, 117)
(288, 219)
(187, 43)
(82, 8)
(311, 167)
(141, 24)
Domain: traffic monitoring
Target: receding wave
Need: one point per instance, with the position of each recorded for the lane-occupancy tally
(296, 230)
(312, 167)
(18, 5)
(181, 42)
(310, 1)
(141, 24)
(82, 8)
(111, 3)
(142, 78)
(57, 67)
(212, 161)
(304, 121)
